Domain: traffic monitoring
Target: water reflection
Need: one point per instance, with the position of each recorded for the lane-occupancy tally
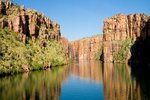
(88, 70)
(141, 74)
(121, 83)
(84, 80)
(33, 86)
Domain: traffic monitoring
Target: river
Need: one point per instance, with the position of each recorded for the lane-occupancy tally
(84, 80)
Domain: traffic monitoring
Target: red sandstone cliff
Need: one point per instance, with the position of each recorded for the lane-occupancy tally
(30, 23)
(85, 48)
(121, 27)
(64, 41)
(27, 22)
(117, 30)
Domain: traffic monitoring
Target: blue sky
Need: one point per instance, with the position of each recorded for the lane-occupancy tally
(84, 18)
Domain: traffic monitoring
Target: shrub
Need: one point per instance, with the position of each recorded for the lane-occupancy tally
(14, 54)
(123, 53)
(99, 53)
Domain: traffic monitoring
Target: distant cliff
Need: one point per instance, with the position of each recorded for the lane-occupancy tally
(87, 48)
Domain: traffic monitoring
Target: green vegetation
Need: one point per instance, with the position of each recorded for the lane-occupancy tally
(14, 55)
(122, 71)
(145, 14)
(99, 53)
(95, 35)
(122, 55)
(43, 25)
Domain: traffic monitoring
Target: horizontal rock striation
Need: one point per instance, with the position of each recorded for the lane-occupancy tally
(27, 22)
(86, 49)
(121, 27)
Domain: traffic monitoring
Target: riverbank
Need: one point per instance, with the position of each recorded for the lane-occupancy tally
(17, 57)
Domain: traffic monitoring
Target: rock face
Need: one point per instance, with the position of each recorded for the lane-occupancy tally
(86, 49)
(64, 41)
(27, 22)
(117, 30)
(121, 27)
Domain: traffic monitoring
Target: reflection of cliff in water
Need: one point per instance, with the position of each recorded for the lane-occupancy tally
(141, 74)
(35, 85)
(120, 85)
(87, 69)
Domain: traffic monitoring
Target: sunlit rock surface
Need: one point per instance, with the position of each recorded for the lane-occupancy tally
(121, 27)
(27, 22)
(87, 48)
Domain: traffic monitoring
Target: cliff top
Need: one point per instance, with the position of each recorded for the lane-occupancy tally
(89, 38)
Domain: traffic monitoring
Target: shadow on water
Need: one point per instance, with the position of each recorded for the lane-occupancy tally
(140, 61)
(43, 85)
(141, 73)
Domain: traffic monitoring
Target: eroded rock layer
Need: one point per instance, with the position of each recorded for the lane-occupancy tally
(27, 22)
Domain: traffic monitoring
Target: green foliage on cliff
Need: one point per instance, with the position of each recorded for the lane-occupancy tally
(95, 35)
(99, 53)
(124, 52)
(14, 55)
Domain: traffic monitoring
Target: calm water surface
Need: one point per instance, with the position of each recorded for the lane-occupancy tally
(84, 80)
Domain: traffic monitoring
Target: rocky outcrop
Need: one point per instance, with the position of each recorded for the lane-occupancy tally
(27, 22)
(121, 27)
(87, 48)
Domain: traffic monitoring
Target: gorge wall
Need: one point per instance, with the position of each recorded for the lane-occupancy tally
(86, 49)
(118, 29)
(32, 40)
(27, 22)
(125, 38)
